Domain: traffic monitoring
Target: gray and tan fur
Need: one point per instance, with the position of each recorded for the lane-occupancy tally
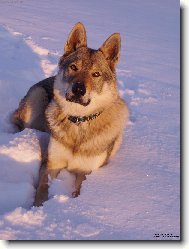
(85, 84)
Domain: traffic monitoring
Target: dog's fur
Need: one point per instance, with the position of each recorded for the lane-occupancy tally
(78, 147)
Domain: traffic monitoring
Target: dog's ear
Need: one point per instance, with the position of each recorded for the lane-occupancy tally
(77, 39)
(111, 50)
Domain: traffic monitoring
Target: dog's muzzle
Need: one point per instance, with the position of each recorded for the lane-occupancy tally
(78, 92)
(79, 89)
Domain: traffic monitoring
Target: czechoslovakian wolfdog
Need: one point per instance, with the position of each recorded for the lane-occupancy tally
(81, 109)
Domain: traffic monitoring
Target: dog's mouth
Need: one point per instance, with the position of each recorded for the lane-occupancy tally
(77, 100)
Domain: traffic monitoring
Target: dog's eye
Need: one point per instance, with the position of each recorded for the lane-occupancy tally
(73, 67)
(96, 74)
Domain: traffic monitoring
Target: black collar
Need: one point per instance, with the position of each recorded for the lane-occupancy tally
(77, 120)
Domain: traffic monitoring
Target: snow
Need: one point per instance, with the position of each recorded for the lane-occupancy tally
(137, 194)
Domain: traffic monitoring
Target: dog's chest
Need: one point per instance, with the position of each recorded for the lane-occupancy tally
(61, 157)
(72, 135)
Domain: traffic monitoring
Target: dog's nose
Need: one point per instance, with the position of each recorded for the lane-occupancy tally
(78, 89)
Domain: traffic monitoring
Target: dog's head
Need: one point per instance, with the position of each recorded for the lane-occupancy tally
(86, 80)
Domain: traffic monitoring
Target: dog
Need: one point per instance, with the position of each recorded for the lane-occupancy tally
(81, 109)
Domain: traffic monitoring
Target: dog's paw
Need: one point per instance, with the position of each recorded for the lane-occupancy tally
(76, 193)
(41, 197)
(39, 200)
(38, 203)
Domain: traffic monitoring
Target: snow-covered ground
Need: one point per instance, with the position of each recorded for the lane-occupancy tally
(138, 194)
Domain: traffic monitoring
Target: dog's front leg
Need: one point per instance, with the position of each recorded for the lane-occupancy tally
(79, 179)
(52, 165)
(42, 190)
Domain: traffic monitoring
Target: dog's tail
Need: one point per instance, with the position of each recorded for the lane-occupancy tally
(31, 110)
(17, 120)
